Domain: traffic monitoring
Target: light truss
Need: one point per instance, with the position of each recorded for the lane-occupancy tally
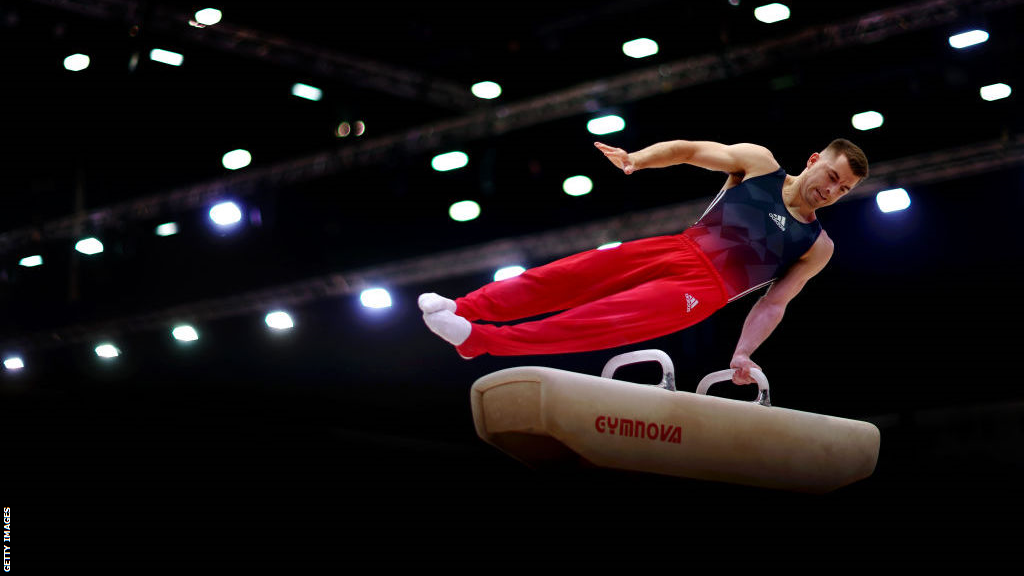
(488, 122)
(280, 51)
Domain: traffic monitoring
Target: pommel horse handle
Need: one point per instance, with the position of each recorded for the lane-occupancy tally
(723, 375)
(668, 371)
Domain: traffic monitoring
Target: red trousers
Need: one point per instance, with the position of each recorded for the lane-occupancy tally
(638, 291)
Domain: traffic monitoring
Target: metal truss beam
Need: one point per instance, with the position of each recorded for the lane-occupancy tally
(866, 29)
(281, 51)
(495, 121)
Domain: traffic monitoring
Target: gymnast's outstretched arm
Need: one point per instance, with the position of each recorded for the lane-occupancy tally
(741, 159)
(766, 314)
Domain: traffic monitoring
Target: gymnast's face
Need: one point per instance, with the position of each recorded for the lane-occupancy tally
(827, 178)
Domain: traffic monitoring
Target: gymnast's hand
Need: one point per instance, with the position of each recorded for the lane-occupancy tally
(742, 364)
(618, 156)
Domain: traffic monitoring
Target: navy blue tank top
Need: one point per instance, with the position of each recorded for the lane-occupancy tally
(749, 235)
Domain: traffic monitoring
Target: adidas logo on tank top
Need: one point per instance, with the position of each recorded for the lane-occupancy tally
(780, 221)
(691, 303)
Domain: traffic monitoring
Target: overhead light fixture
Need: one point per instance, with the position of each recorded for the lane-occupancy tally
(31, 261)
(279, 320)
(508, 272)
(89, 246)
(166, 57)
(185, 333)
(14, 363)
(306, 91)
(969, 38)
(640, 48)
(464, 211)
(995, 91)
(449, 161)
(236, 159)
(606, 124)
(76, 62)
(486, 90)
(208, 16)
(867, 120)
(892, 200)
(167, 229)
(375, 298)
(577, 185)
(107, 351)
(772, 13)
(225, 214)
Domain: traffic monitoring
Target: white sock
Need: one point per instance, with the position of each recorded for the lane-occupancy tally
(431, 303)
(444, 323)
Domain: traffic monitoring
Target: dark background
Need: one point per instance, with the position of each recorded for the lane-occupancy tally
(912, 326)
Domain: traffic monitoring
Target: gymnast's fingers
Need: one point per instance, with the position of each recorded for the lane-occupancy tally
(617, 156)
(741, 376)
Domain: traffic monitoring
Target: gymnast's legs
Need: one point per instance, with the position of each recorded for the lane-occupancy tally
(634, 292)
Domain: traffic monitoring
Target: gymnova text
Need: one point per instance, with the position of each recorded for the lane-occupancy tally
(639, 429)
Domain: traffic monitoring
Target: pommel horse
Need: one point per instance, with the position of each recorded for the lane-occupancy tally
(545, 416)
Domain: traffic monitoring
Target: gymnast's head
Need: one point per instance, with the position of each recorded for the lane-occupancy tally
(833, 172)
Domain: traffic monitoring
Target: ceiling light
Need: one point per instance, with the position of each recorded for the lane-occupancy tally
(167, 229)
(89, 246)
(508, 272)
(225, 213)
(30, 261)
(867, 120)
(449, 161)
(577, 185)
(995, 91)
(107, 351)
(76, 62)
(892, 200)
(279, 320)
(640, 48)
(14, 363)
(464, 211)
(236, 159)
(606, 125)
(185, 333)
(969, 38)
(208, 16)
(771, 13)
(375, 298)
(306, 91)
(166, 57)
(486, 90)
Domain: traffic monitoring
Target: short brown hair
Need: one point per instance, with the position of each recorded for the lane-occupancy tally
(854, 156)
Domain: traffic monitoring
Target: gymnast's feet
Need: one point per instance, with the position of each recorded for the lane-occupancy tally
(431, 303)
(454, 329)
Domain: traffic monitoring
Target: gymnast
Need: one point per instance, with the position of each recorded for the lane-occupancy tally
(760, 230)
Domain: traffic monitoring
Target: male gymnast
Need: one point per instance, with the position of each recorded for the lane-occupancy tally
(761, 230)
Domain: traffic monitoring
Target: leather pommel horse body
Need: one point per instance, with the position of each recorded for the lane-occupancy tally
(544, 416)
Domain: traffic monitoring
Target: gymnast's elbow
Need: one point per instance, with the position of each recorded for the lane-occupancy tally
(673, 152)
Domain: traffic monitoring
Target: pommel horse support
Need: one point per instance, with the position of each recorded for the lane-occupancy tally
(546, 417)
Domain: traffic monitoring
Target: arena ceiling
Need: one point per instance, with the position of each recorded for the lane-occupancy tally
(129, 143)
